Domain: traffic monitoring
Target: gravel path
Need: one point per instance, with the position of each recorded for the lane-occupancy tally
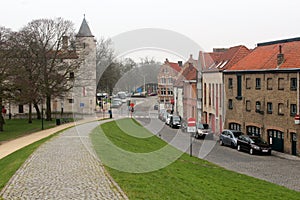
(65, 167)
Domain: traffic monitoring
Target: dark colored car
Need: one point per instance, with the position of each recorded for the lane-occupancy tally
(229, 137)
(175, 121)
(253, 145)
(155, 107)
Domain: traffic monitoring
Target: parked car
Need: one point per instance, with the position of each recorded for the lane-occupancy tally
(168, 118)
(183, 126)
(175, 121)
(203, 131)
(229, 137)
(253, 145)
(155, 107)
(161, 114)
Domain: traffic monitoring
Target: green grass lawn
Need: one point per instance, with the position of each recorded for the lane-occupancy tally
(11, 163)
(15, 128)
(186, 178)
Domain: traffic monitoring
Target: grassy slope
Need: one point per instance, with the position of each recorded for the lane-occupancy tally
(186, 178)
(19, 127)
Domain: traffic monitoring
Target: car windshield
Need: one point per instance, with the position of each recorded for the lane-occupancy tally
(176, 118)
(237, 134)
(200, 126)
(257, 140)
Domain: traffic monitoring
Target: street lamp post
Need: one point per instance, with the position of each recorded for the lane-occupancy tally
(42, 115)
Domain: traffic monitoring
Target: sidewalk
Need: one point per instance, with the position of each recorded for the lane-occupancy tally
(285, 156)
(65, 167)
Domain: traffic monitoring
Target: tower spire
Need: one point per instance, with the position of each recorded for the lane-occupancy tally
(84, 30)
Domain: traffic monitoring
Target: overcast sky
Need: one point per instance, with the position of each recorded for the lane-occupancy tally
(211, 23)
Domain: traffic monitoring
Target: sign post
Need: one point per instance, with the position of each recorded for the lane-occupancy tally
(132, 109)
(191, 129)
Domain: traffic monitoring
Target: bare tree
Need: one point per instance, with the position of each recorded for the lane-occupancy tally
(53, 55)
(27, 73)
(5, 63)
(105, 56)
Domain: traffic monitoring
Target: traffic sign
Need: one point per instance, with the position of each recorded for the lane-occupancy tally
(191, 121)
(191, 125)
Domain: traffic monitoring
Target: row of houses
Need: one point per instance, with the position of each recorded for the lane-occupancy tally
(253, 90)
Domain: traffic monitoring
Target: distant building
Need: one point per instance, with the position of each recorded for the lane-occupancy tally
(166, 77)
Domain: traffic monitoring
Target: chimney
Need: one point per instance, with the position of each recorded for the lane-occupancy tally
(65, 42)
(280, 56)
(180, 63)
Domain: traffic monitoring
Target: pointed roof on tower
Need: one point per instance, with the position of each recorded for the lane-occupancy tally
(84, 30)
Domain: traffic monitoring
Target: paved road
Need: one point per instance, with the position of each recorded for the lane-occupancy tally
(270, 168)
(64, 168)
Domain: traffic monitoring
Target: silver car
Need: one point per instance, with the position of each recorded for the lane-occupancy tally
(229, 137)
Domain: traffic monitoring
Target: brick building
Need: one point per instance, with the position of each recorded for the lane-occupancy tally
(166, 78)
(262, 94)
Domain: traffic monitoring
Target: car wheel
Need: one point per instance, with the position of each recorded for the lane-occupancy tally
(238, 147)
(251, 151)
(221, 143)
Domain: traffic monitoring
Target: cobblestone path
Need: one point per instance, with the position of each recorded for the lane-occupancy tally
(65, 167)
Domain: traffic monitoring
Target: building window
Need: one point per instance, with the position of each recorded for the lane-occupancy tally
(248, 83)
(280, 109)
(213, 95)
(163, 80)
(253, 130)
(239, 87)
(220, 99)
(170, 80)
(170, 92)
(280, 83)
(209, 94)
(248, 105)
(163, 91)
(230, 104)
(71, 100)
(269, 83)
(293, 84)
(257, 106)
(72, 75)
(230, 83)
(204, 96)
(269, 108)
(21, 108)
(257, 83)
(235, 126)
(293, 109)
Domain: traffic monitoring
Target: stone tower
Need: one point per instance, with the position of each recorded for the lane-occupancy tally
(84, 92)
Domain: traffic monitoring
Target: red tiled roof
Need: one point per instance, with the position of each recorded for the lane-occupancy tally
(226, 59)
(175, 66)
(189, 72)
(265, 57)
